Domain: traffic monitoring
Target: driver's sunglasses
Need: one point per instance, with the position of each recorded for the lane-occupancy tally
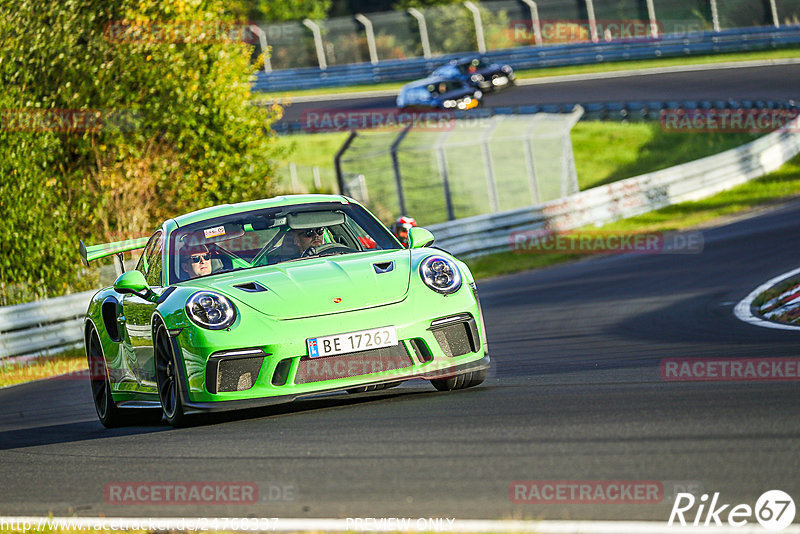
(311, 231)
(197, 257)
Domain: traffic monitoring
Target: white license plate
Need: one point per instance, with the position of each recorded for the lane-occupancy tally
(374, 338)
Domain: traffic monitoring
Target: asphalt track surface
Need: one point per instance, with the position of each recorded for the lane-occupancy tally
(574, 394)
(776, 82)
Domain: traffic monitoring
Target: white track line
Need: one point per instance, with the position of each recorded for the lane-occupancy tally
(742, 309)
(555, 79)
(374, 525)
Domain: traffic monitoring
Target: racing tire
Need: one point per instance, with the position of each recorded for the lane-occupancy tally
(107, 411)
(167, 378)
(462, 381)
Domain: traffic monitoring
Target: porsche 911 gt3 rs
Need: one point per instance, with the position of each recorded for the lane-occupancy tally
(263, 302)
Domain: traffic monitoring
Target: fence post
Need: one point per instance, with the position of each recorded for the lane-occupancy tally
(262, 40)
(651, 14)
(314, 27)
(530, 163)
(569, 177)
(441, 160)
(337, 161)
(536, 24)
(373, 51)
(398, 179)
(476, 17)
(592, 20)
(488, 165)
(774, 9)
(293, 175)
(317, 178)
(423, 31)
(714, 15)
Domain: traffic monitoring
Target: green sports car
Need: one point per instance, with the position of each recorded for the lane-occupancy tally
(262, 302)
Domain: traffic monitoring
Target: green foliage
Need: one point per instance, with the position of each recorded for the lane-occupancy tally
(288, 10)
(175, 129)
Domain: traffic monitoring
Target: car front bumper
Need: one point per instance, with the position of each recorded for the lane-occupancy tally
(269, 362)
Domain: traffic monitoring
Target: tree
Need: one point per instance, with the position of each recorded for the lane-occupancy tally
(116, 115)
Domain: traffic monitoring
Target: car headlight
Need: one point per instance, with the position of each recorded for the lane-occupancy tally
(440, 274)
(210, 310)
(449, 103)
(506, 69)
(477, 78)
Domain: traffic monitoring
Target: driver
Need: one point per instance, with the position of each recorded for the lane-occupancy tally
(308, 240)
(196, 261)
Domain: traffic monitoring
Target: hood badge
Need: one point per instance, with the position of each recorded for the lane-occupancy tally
(337, 300)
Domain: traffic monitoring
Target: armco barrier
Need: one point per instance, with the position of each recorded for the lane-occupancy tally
(531, 57)
(611, 111)
(43, 326)
(485, 234)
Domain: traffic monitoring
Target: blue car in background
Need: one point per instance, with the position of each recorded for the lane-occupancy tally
(478, 73)
(436, 92)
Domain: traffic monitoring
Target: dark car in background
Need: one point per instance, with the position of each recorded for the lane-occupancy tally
(439, 93)
(478, 73)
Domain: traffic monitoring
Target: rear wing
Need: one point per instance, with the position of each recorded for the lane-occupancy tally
(95, 252)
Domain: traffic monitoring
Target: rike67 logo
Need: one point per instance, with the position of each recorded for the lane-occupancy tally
(774, 510)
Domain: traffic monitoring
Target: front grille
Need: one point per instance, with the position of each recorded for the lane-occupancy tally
(457, 338)
(352, 364)
(234, 374)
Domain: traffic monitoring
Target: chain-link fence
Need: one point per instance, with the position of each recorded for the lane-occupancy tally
(474, 167)
(300, 179)
(505, 24)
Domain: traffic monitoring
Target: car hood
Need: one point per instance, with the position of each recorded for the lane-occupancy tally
(320, 286)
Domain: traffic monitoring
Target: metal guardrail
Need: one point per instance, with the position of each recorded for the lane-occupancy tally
(614, 110)
(43, 326)
(486, 234)
(531, 57)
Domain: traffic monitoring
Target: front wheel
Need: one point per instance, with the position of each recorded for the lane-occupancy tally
(167, 378)
(462, 381)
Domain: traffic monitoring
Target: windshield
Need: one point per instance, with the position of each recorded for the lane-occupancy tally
(272, 236)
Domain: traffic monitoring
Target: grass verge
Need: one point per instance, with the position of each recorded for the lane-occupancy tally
(787, 53)
(779, 185)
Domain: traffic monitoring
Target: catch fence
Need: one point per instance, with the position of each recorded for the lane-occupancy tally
(478, 166)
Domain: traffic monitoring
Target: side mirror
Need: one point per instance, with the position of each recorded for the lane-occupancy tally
(419, 237)
(131, 282)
